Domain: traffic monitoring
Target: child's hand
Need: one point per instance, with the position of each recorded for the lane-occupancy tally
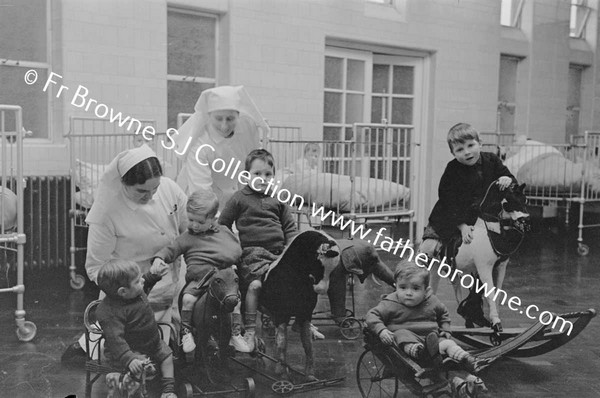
(159, 267)
(136, 366)
(386, 337)
(467, 233)
(445, 334)
(504, 182)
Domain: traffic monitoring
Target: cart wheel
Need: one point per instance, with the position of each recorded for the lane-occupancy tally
(372, 378)
(77, 282)
(27, 332)
(250, 387)
(583, 249)
(282, 387)
(186, 391)
(351, 328)
(495, 339)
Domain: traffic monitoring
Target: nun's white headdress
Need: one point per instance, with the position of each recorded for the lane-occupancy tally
(110, 184)
(215, 99)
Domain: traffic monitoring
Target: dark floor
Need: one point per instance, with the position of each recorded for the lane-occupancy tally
(546, 271)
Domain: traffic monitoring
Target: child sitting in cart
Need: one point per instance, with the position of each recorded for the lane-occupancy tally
(204, 245)
(127, 320)
(403, 317)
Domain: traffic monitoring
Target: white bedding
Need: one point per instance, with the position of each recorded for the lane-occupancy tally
(334, 191)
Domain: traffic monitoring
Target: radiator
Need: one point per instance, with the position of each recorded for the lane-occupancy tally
(47, 223)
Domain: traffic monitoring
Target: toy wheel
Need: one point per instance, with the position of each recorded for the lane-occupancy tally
(282, 387)
(27, 332)
(373, 379)
(583, 249)
(351, 328)
(186, 391)
(250, 388)
(77, 282)
(495, 339)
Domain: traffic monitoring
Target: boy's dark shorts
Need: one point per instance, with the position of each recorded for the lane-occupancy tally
(254, 264)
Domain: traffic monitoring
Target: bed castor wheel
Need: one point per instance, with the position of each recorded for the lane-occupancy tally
(27, 331)
(77, 282)
(583, 249)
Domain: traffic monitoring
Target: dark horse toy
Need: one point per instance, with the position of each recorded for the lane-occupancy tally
(290, 289)
(212, 317)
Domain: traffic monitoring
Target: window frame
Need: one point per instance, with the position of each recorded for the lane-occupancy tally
(195, 79)
(578, 30)
(25, 65)
(515, 10)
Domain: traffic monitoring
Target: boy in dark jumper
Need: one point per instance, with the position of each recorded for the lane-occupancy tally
(204, 245)
(265, 227)
(128, 323)
(462, 188)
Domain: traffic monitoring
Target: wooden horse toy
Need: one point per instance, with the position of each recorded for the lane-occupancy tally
(498, 233)
(211, 318)
(290, 289)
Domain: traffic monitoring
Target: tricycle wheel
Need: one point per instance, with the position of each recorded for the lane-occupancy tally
(372, 377)
(186, 391)
(282, 387)
(351, 328)
(250, 387)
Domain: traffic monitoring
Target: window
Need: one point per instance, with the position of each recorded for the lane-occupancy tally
(364, 87)
(580, 13)
(573, 100)
(192, 60)
(510, 13)
(25, 32)
(507, 89)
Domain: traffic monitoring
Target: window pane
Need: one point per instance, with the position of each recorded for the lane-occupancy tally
(354, 108)
(356, 75)
(331, 134)
(333, 108)
(181, 97)
(404, 77)
(506, 8)
(376, 109)
(333, 72)
(508, 79)
(191, 45)
(23, 30)
(402, 110)
(380, 78)
(31, 98)
(574, 97)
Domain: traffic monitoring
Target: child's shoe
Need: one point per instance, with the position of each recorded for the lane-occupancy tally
(432, 349)
(240, 344)
(187, 341)
(250, 339)
(476, 365)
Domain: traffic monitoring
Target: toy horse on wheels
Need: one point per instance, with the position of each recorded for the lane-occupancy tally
(498, 232)
(290, 289)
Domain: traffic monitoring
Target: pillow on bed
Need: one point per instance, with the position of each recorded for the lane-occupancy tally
(87, 176)
(526, 153)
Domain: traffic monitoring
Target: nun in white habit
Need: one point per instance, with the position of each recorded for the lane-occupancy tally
(226, 125)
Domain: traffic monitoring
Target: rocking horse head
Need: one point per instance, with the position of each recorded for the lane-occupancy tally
(223, 288)
(509, 205)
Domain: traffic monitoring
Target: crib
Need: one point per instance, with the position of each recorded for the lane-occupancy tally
(365, 178)
(12, 235)
(556, 175)
(93, 143)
